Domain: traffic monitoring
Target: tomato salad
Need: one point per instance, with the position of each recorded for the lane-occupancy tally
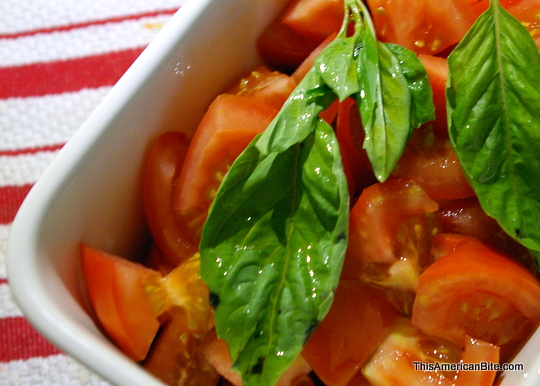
(427, 275)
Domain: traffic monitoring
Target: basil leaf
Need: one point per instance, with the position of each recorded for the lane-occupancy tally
(298, 116)
(394, 99)
(493, 102)
(337, 67)
(272, 250)
(422, 107)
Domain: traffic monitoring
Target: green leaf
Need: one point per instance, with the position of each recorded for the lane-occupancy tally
(272, 250)
(298, 116)
(422, 107)
(394, 99)
(493, 101)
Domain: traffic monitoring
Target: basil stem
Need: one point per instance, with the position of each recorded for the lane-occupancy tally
(493, 102)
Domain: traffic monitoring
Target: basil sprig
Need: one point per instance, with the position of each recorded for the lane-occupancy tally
(493, 101)
(273, 245)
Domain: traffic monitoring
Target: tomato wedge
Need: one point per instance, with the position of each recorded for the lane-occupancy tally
(163, 166)
(437, 71)
(174, 357)
(360, 318)
(477, 351)
(282, 48)
(116, 288)
(216, 352)
(398, 359)
(476, 291)
(431, 161)
(423, 26)
(314, 19)
(228, 126)
(269, 87)
(389, 237)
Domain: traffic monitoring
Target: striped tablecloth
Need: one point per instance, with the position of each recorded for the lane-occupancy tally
(58, 59)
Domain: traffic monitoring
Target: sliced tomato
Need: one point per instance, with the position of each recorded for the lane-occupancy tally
(437, 71)
(116, 288)
(478, 352)
(157, 261)
(171, 234)
(350, 135)
(360, 318)
(306, 65)
(314, 19)
(423, 26)
(282, 48)
(390, 235)
(432, 162)
(174, 357)
(269, 87)
(228, 126)
(478, 292)
(466, 217)
(216, 352)
(405, 356)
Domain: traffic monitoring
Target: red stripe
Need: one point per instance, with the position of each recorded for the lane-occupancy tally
(11, 198)
(3, 281)
(64, 76)
(20, 341)
(87, 24)
(31, 150)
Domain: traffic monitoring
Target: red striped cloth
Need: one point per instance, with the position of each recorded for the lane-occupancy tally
(58, 59)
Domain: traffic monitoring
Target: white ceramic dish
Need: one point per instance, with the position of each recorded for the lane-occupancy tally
(91, 192)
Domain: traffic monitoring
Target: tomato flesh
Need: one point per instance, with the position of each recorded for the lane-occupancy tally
(394, 360)
(359, 319)
(437, 72)
(423, 26)
(116, 288)
(282, 48)
(389, 237)
(315, 19)
(476, 291)
(431, 161)
(228, 126)
(269, 87)
(163, 166)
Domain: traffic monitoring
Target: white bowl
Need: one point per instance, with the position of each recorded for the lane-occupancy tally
(92, 190)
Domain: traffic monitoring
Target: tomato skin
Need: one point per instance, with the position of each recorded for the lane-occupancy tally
(282, 48)
(466, 217)
(430, 26)
(216, 352)
(306, 65)
(350, 135)
(163, 166)
(228, 126)
(116, 290)
(432, 162)
(437, 71)
(358, 320)
(477, 351)
(314, 19)
(174, 355)
(269, 87)
(390, 230)
(393, 361)
(476, 291)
